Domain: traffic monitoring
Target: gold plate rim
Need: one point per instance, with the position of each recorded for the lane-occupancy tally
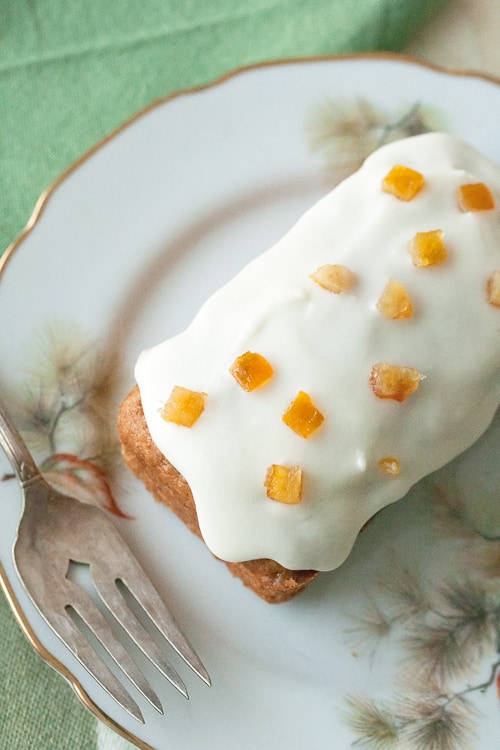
(233, 73)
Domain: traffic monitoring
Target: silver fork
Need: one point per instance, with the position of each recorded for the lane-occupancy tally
(56, 530)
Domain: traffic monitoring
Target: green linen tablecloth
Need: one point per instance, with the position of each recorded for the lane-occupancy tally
(70, 72)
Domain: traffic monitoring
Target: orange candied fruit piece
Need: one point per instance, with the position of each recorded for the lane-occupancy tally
(183, 406)
(302, 416)
(284, 484)
(390, 466)
(251, 370)
(428, 248)
(475, 197)
(394, 382)
(334, 277)
(402, 182)
(395, 302)
(493, 289)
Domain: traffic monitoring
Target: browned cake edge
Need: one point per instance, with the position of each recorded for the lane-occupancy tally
(267, 578)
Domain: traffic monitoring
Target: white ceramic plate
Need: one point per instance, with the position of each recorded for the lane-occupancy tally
(119, 255)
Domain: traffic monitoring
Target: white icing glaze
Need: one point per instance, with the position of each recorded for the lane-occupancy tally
(325, 344)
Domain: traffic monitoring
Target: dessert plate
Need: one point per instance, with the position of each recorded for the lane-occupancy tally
(400, 645)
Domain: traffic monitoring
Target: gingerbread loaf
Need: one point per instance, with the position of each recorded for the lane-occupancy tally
(341, 366)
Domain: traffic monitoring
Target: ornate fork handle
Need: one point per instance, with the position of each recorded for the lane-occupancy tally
(15, 448)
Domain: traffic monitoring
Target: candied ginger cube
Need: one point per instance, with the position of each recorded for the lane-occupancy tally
(402, 182)
(475, 197)
(493, 289)
(284, 483)
(394, 382)
(251, 370)
(390, 466)
(395, 302)
(302, 416)
(183, 406)
(428, 248)
(335, 278)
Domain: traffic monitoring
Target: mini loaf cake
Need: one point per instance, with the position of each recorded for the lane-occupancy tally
(356, 356)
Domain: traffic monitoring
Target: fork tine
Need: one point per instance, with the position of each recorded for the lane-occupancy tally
(97, 623)
(113, 599)
(148, 598)
(90, 659)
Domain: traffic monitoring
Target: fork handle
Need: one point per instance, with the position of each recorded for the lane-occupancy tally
(14, 446)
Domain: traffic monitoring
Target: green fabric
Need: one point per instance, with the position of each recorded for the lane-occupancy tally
(30, 691)
(70, 72)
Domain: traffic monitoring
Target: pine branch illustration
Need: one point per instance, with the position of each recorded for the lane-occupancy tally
(376, 727)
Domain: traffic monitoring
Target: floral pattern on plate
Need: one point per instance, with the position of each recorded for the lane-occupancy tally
(64, 408)
(346, 131)
(447, 637)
